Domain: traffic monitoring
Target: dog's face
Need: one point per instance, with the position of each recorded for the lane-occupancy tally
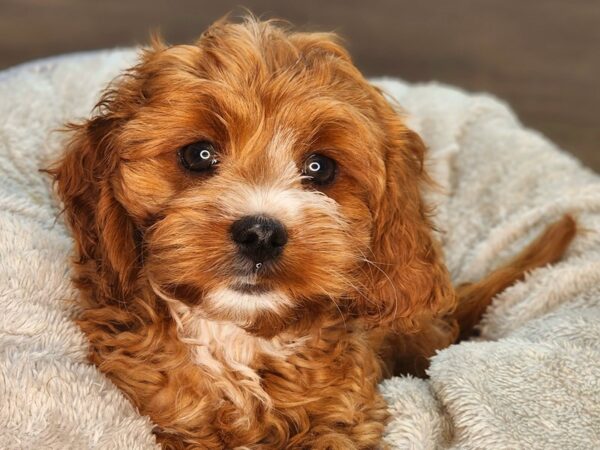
(257, 177)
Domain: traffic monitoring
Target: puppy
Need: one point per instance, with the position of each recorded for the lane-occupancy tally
(253, 252)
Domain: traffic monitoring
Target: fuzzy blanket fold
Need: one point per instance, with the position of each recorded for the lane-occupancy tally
(531, 381)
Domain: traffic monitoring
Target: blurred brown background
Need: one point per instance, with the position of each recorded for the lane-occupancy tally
(542, 56)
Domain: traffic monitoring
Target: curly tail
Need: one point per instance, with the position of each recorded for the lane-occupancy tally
(474, 298)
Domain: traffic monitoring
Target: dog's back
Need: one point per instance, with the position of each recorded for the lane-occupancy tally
(410, 353)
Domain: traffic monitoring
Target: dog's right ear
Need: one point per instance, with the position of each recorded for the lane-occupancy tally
(85, 177)
(104, 235)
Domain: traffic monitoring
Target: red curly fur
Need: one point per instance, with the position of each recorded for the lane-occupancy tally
(362, 288)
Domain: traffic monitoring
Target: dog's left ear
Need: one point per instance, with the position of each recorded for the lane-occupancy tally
(408, 281)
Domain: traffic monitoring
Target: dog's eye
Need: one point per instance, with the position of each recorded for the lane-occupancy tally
(199, 156)
(319, 169)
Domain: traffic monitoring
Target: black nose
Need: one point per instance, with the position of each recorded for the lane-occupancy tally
(259, 238)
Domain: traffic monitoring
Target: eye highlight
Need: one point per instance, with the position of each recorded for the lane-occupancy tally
(319, 169)
(198, 157)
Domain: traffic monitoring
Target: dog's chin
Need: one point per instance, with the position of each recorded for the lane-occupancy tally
(255, 308)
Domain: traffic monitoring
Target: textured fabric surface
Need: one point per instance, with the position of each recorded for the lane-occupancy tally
(531, 381)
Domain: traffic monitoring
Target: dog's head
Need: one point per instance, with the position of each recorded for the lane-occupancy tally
(257, 176)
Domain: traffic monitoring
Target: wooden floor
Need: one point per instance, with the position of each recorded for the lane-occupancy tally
(542, 56)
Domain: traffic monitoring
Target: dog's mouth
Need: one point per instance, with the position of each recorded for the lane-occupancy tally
(250, 288)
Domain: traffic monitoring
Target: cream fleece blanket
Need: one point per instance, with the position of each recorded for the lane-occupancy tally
(531, 381)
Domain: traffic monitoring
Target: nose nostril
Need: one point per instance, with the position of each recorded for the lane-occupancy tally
(278, 238)
(247, 238)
